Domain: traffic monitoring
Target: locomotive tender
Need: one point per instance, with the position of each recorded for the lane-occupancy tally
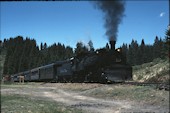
(103, 65)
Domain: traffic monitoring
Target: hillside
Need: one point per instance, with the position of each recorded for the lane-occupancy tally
(156, 71)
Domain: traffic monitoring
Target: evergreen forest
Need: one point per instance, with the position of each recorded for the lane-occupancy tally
(22, 54)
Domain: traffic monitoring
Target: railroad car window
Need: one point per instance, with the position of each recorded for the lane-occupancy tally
(35, 72)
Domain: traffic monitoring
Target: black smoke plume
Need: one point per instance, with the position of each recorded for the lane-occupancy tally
(113, 13)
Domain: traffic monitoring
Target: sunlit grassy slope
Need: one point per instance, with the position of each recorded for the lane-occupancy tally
(156, 71)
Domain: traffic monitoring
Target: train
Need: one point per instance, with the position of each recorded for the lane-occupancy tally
(102, 65)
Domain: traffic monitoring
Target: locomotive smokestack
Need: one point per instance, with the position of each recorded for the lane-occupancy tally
(112, 44)
(113, 11)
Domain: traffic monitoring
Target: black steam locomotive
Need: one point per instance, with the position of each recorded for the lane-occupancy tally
(103, 65)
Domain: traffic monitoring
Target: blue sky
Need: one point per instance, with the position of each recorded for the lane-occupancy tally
(68, 22)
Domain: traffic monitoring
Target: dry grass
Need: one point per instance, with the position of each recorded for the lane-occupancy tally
(74, 86)
(156, 71)
(141, 94)
(25, 104)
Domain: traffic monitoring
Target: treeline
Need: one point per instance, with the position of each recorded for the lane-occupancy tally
(24, 54)
(137, 54)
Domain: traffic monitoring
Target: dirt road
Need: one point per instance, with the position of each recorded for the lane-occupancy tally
(74, 97)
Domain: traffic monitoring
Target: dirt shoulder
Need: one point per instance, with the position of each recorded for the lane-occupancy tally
(95, 98)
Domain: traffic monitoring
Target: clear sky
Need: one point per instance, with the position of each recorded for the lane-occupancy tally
(68, 22)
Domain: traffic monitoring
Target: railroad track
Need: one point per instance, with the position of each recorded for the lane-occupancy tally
(160, 86)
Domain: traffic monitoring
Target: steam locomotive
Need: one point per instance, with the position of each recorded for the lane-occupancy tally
(103, 65)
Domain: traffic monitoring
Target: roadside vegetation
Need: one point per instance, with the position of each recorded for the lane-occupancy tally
(141, 94)
(156, 71)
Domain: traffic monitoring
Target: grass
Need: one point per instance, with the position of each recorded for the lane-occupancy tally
(20, 84)
(75, 86)
(144, 94)
(156, 71)
(24, 104)
(148, 95)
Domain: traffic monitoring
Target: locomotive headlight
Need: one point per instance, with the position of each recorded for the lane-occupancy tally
(118, 49)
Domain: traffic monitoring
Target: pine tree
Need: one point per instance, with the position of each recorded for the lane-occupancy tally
(166, 47)
(136, 52)
(143, 51)
(69, 52)
(124, 51)
(80, 49)
(107, 46)
(130, 56)
(90, 44)
(41, 46)
(157, 48)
